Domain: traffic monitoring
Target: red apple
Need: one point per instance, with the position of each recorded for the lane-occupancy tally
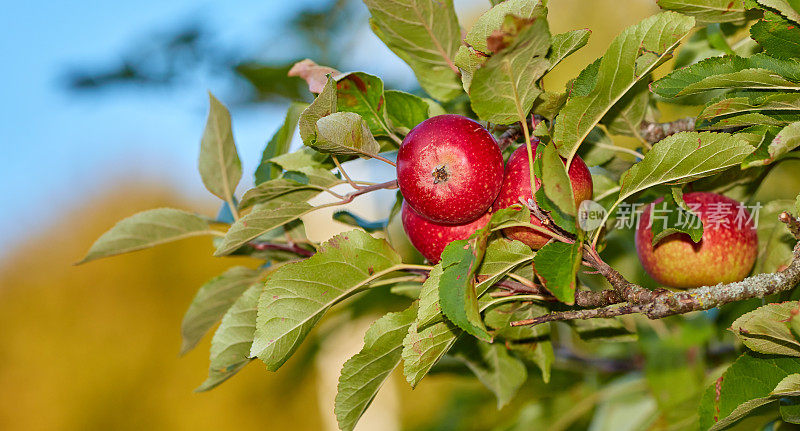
(517, 184)
(430, 238)
(449, 168)
(726, 252)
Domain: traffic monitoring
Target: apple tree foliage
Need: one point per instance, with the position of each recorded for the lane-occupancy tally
(736, 367)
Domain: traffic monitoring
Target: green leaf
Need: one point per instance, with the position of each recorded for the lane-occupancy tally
(595, 155)
(363, 94)
(758, 71)
(788, 9)
(674, 216)
(299, 185)
(788, 387)
(500, 372)
(501, 257)
(325, 104)
(548, 104)
(279, 144)
(736, 105)
(564, 44)
(422, 349)
(503, 90)
(147, 229)
(777, 36)
(774, 240)
(457, 296)
(262, 219)
(219, 163)
(298, 294)
(475, 51)
(631, 56)
(681, 158)
(626, 115)
(363, 375)
(748, 119)
(405, 110)
(759, 137)
(499, 319)
(751, 377)
(539, 354)
(556, 265)
(709, 11)
(230, 347)
(766, 329)
(555, 180)
(556, 189)
(426, 35)
(212, 301)
(345, 133)
(787, 140)
(304, 158)
(684, 157)
(430, 311)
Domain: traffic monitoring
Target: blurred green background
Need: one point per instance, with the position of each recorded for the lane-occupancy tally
(99, 134)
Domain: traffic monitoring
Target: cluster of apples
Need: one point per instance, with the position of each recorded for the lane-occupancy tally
(451, 174)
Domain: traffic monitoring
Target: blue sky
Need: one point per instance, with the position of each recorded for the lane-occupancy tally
(62, 148)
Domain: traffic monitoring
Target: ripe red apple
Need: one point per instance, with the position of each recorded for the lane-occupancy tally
(725, 254)
(517, 183)
(449, 168)
(430, 238)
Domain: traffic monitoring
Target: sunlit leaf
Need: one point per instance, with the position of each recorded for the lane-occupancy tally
(298, 185)
(298, 294)
(219, 164)
(709, 11)
(788, 9)
(364, 374)
(684, 157)
(422, 349)
(630, 57)
(736, 105)
(262, 219)
(279, 144)
(503, 90)
(777, 36)
(147, 229)
(457, 296)
(752, 376)
(426, 35)
(556, 265)
(475, 52)
(363, 94)
(405, 110)
(766, 329)
(758, 71)
(230, 347)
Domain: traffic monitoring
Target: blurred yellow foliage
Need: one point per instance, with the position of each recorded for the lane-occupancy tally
(95, 347)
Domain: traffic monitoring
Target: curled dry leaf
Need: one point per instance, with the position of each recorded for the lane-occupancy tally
(315, 75)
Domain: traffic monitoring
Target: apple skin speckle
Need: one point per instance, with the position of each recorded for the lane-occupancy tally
(517, 183)
(725, 254)
(449, 169)
(430, 238)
